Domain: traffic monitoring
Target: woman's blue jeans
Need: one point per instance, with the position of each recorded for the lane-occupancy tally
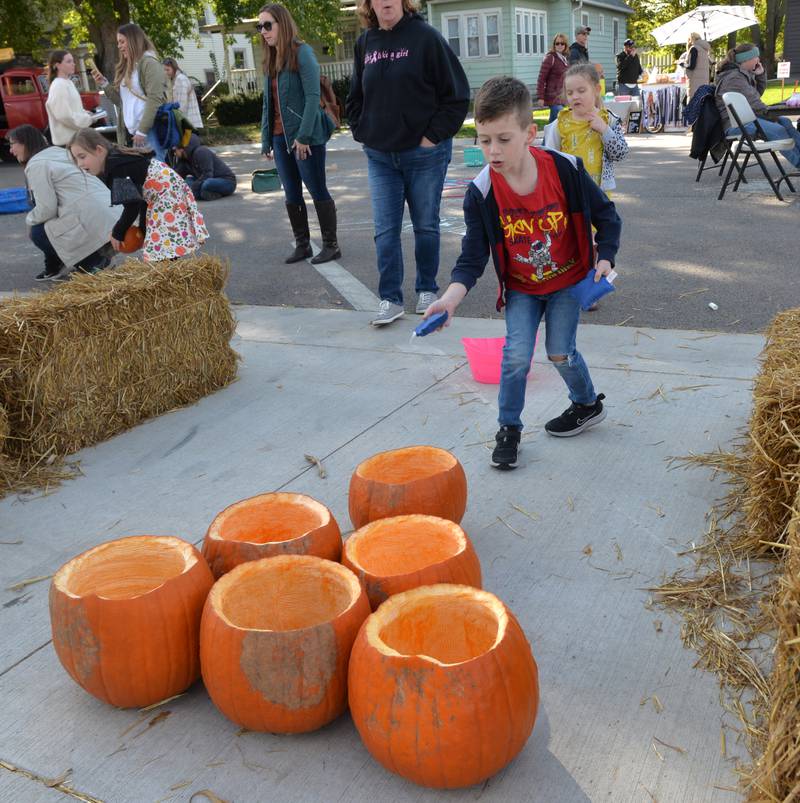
(295, 172)
(152, 141)
(524, 312)
(415, 176)
(554, 110)
(781, 129)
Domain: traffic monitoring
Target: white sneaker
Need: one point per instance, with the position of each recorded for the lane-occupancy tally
(424, 300)
(387, 312)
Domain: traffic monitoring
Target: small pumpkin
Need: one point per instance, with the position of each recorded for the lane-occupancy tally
(415, 479)
(402, 552)
(443, 687)
(275, 642)
(126, 615)
(133, 240)
(271, 524)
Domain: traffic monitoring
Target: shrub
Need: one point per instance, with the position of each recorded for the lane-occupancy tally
(239, 109)
(341, 86)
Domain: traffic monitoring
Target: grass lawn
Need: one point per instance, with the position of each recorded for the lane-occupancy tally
(540, 117)
(232, 134)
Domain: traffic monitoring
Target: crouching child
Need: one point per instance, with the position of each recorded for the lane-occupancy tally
(532, 209)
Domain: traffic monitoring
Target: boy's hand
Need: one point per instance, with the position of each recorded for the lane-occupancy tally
(450, 299)
(603, 268)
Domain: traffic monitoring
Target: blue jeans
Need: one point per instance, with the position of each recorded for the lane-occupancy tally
(221, 186)
(415, 176)
(152, 141)
(782, 129)
(554, 110)
(523, 314)
(52, 261)
(624, 89)
(295, 172)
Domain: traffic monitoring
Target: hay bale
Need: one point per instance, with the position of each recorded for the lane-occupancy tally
(101, 353)
(776, 775)
(773, 448)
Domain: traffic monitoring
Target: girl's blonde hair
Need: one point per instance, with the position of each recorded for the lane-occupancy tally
(138, 44)
(284, 55)
(588, 72)
(369, 18)
(89, 139)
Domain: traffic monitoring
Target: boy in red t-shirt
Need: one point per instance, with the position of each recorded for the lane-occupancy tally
(533, 210)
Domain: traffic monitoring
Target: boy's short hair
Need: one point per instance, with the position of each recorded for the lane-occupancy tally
(503, 95)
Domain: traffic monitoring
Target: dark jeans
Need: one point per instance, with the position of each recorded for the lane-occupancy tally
(221, 186)
(295, 172)
(52, 261)
(554, 110)
(416, 177)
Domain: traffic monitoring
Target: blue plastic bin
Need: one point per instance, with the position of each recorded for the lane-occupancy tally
(14, 200)
(473, 157)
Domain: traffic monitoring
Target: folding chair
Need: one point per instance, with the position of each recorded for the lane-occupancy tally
(741, 113)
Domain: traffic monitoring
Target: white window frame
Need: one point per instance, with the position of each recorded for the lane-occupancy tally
(530, 32)
(483, 36)
(585, 19)
(601, 24)
(614, 35)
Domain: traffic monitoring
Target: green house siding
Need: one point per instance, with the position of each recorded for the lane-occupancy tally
(558, 18)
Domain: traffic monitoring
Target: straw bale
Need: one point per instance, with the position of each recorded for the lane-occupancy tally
(101, 353)
(776, 775)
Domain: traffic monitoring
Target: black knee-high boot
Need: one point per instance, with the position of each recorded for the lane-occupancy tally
(326, 212)
(298, 217)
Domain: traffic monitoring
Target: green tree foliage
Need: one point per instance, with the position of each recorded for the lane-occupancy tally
(23, 23)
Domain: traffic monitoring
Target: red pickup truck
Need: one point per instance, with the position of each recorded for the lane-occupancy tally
(23, 94)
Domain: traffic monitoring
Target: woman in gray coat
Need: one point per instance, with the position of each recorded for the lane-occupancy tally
(72, 213)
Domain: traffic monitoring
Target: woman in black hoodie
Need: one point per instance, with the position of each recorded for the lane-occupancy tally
(408, 98)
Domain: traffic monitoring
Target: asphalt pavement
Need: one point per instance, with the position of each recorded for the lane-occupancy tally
(681, 248)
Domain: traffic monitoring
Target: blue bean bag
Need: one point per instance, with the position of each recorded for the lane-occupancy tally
(14, 200)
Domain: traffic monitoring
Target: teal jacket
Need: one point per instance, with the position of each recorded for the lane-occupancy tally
(304, 119)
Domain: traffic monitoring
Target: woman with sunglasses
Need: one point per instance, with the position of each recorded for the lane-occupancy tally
(550, 87)
(294, 130)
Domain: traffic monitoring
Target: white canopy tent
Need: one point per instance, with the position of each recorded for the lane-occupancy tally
(711, 22)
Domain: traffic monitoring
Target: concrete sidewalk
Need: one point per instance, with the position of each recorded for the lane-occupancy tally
(605, 519)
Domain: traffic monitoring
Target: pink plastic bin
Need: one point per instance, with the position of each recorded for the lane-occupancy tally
(485, 357)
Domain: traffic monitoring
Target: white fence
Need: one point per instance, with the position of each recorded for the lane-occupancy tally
(246, 82)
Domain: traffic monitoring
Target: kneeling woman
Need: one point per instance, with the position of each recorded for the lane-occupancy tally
(154, 194)
(72, 216)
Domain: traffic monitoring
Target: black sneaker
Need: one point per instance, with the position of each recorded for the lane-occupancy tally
(505, 453)
(44, 276)
(576, 418)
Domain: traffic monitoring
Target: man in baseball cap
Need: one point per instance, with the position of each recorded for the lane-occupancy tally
(629, 69)
(578, 50)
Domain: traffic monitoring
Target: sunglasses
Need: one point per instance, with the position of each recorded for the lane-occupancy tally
(563, 44)
(265, 26)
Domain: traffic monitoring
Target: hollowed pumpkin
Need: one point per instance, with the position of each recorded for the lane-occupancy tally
(416, 479)
(443, 686)
(126, 618)
(268, 525)
(275, 642)
(403, 552)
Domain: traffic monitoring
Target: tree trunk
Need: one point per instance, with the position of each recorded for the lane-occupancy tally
(102, 18)
(773, 22)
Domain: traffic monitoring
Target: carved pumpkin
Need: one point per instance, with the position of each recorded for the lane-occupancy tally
(443, 687)
(403, 552)
(271, 524)
(126, 618)
(275, 642)
(416, 479)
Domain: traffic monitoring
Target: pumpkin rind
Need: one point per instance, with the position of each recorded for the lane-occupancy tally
(416, 551)
(260, 527)
(131, 649)
(415, 479)
(292, 678)
(443, 723)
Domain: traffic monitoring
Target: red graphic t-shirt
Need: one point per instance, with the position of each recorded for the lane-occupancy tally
(541, 248)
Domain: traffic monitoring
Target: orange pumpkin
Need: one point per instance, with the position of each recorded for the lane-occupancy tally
(416, 479)
(133, 240)
(402, 552)
(275, 642)
(443, 687)
(271, 524)
(126, 618)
